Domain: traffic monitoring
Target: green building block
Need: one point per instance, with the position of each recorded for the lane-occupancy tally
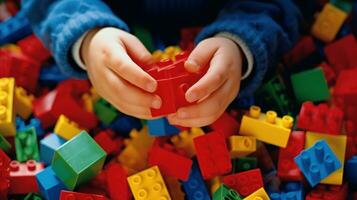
(105, 111)
(78, 160)
(144, 36)
(310, 85)
(345, 5)
(32, 196)
(226, 193)
(243, 164)
(4, 144)
(26, 145)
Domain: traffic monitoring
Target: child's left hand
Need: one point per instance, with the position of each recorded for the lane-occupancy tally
(217, 88)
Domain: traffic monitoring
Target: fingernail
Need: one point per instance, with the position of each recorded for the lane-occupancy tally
(194, 66)
(151, 87)
(156, 103)
(182, 114)
(192, 97)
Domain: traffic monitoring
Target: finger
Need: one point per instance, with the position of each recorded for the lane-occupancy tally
(120, 62)
(136, 50)
(216, 75)
(199, 122)
(200, 56)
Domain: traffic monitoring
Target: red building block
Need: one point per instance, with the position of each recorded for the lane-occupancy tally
(245, 182)
(171, 163)
(301, 50)
(4, 175)
(345, 92)
(23, 177)
(68, 195)
(188, 36)
(118, 187)
(109, 144)
(287, 168)
(33, 47)
(328, 192)
(212, 155)
(342, 53)
(329, 74)
(173, 82)
(320, 118)
(225, 124)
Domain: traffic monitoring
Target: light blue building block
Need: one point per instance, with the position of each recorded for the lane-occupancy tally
(161, 127)
(49, 184)
(48, 145)
(317, 162)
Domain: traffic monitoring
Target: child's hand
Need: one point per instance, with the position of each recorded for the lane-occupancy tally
(217, 88)
(108, 54)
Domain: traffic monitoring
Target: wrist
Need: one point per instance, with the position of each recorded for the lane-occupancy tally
(84, 49)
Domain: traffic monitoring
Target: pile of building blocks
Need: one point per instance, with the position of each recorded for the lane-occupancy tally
(295, 139)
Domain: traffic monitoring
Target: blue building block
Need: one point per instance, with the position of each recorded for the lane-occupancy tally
(317, 162)
(195, 187)
(49, 184)
(292, 190)
(48, 145)
(34, 123)
(161, 127)
(14, 29)
(51, 74)
(351, 170)
(124, 124)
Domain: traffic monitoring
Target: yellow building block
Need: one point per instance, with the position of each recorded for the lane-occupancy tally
(328, 23)
(241, 145)
(267, 127)
(148, 185)
(23, 103)
(169, 53)
(184, 140)
(337, 144)
(7, 114)
(258, 195)
(87, 102)
(66, 128)
(12, 48)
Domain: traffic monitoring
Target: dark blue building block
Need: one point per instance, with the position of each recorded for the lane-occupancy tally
(48, 145)
(161, 127)
(292, 190)
(317, 162)
(49, 184)
(195, 187)
(351, 170)
(51, 74)
(124, 124)
(14, 29)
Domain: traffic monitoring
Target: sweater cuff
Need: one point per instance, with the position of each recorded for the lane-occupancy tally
(248, 54)
(76, 52)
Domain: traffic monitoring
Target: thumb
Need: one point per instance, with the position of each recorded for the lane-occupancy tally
(201, 55)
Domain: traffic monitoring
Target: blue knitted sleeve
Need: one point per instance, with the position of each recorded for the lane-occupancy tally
(59, 23)
(269, 28)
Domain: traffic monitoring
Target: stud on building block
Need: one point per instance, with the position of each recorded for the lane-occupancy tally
(68, 195)
(245, 182)
(224, 192)
(26, 145)
(23, 103)
(241, 145)
(195, 187)
(66, 128)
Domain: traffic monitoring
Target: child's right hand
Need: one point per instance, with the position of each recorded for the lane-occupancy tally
(108, 54)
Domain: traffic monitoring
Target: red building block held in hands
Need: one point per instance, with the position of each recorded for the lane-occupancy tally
(212, 155)
(173, 82)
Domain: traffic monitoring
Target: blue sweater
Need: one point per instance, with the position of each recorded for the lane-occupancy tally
(269, 28)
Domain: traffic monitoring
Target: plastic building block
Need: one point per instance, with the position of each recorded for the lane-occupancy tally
(310, 85)
(51, 74)
(48, 146)
(351, 174)
(224, 192)
(161, 127)
(258, 195)
(144, 36)
(23, 177)
(304, 48)
(49, 184)
(171, 163)
(26, 145)
(117, 184)
(105, 111)
(168, 54)
(338, 145)
(33, 196)
(266, 127)
(188, 36)
(34, 123)
(317, 162)
(148, 184)
(195, 187)
(225, 124)
(345, 5)
(244, 164)
(108, 142)
(328, 192)
(4, 144)
(174, 187)
(345, 93)
(241, 145)
(66, 128)
(329, 73)
(68, 195)
(320, 118)
(124, 124)
(212, 155)
(245, 182)
(184, 140)
(14, 28)
(34, 48)
(328, 23)
(340, 54)
(23, 103)
(7, 122)
(293, 190)
(65, 160)
(287, 168)
(4, 175)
